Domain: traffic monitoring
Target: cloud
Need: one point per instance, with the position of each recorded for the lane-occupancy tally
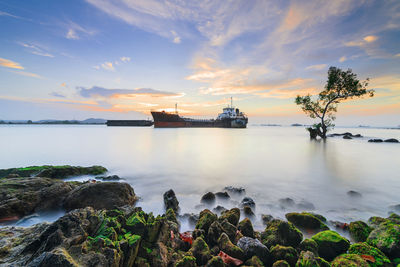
(96, 91)
(370, 38)
(35, 49)
(75, 31)
(125, 59)
(316, 67)
(342, 59)
(363, 42)
(55, 94)
(71, 34)
(176, 39)
(27, 74)
(397, 55)
(10, 64)
(110, 66)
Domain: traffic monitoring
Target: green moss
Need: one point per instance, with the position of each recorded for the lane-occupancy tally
(205, 220)
(279, 232)
(307, 220)
(288, 254)
(281, 263)
(385, 237)
(359, 231)
(365, 249)
(328, 235)
(350, 260)
(187, 261)
(330, 244)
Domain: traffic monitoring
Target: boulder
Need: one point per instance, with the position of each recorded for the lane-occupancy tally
(283, 233)
(365, 249)
(108, 178)
(305, 205)
(254, 261)
(266, 218)
(248, 212)
(222, 195)
(253, 247)
(386, 237)
(246, 227)
(281, 263)
(359, 231)
(375, 140)
(286, 203)
(349, 260)
(170, 200)
(200, 251)
(288, 254)
(100, 196)
(216, 261)
(205, 220)
(248, 201)
(353, 193)
(235, 190)
(219, 209)
(391, 140)
(225, 244)
(208, 198)
(330, 244)
(347, 137)
(307, 221)
(232, 215)
(308, 245)
(308, 259)
(186, 261)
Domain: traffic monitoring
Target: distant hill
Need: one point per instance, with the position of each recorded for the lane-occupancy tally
(87, 121)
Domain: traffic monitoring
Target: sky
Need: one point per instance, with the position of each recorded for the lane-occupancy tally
(120, 59)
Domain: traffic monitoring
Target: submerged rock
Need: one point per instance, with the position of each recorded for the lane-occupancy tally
(170, 200)
(286, 203)
(208, 198)
(108, 178)
(232, 215)
(391, 140)
(248, 201)
(219, 209)
(222, 195)
(100, 196)
(353, 193)
(375, 140)
(235, 190)
(330, 244)
(305, 205)
(347, 137)
(288, 254)
(246, 228)
(309, 259)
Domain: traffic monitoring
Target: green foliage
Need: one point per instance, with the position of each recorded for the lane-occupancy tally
(341, 85)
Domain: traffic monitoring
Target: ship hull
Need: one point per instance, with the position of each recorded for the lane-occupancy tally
(168, 120)
(130, 123)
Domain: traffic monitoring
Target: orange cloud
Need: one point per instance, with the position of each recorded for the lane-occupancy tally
(370, 38)
(10, 64)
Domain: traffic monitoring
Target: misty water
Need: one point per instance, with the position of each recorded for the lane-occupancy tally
(271, 163)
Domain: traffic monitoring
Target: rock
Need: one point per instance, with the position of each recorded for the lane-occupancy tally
(386, 237)
(191, 217)
(288, 254)
(281, 263)
(200, 251)
(58, 172)
(391, 140)
(248, 212)
(186, 261)
(365, 249)
(219, 209)
(305, 205)
(205, 220)
(347, 137)
(229, 229)
(309, 245)
(171, 216)
(395, 208)
(375, 140)
(208, 198)
(253, 247)
(308, 259)
(286, 203)
(214, 231)
(330, 244)
(235, 190)
(266, 218)
(307, 221)
(394, 218)
(246, 228)
(23, 196)
(255, 262)
(222, 195)
(56, 258)
(349, 260)
(232, 215)
(108, 178)
(248, 201)
(170, 200)
(375, 221)
(352, 193)
(229, 248)
(216, 261)
(359, 231)
(283, 233)
(100, 196)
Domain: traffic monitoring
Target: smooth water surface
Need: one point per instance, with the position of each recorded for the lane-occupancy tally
(271, 163)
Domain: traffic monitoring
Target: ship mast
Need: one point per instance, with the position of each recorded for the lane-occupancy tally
(176, 108)
(231, 103)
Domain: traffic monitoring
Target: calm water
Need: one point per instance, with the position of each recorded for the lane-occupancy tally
(269, 162)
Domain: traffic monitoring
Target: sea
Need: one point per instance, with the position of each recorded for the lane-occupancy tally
(272, 164)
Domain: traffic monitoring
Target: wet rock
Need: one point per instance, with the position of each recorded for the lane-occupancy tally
(200, 251)
(248, 201)
(340, 225)
(56, 258)
(395, 208)
(222, 195)
(394, 218)
(375, 140)
(288, 254)
(254, 261)
(171, 216)
(359, 231)
(305, 205)
(205, 220)
(309, 259)
(353, 193)
(375, 221)
(330, 244)
(232, 215)
(219, 209)
(283, 233)
(309, 245)
(266, 218)
(100, 196)
(216, 261)
(286, 203)
(225, 244)
(386, 237)
(306, 220)
(391, 140)
(170, 200)
(108, 178)
(23, 196)
(13, 175)
(208, 198)
(281, 263)
(365, 249)
(347, 137)
(253, 247)
(235, 190)
(349, 260)
(229, 229)
(248, 212)
(186, 261)
(246, 228)
(214, 231)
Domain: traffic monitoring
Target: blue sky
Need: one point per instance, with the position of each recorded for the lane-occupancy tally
(121, 59)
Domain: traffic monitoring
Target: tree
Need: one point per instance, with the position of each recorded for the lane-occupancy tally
(341, 85)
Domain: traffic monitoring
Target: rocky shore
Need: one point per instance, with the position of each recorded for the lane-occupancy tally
(104, 228)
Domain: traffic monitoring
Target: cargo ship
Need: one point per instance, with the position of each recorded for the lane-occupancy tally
(229, 118)
(131, 123)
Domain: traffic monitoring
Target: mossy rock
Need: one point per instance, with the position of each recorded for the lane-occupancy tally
(330, 244)
(200, 251)
(386, 237)
(142, 262)
(187, 261)
(281, 263)
(349, 260)
(283, 233)
(308, 245)
(229, 229)
(394, 218)
(171, 216)
(229, 248)
(375, 221)
(359, 231)
(216, 261)
(205, 220)
(246, 228)
(309, 259)
(307, 221)
(365, 249)
(288, 254)
(232, 215)
(254, 261)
